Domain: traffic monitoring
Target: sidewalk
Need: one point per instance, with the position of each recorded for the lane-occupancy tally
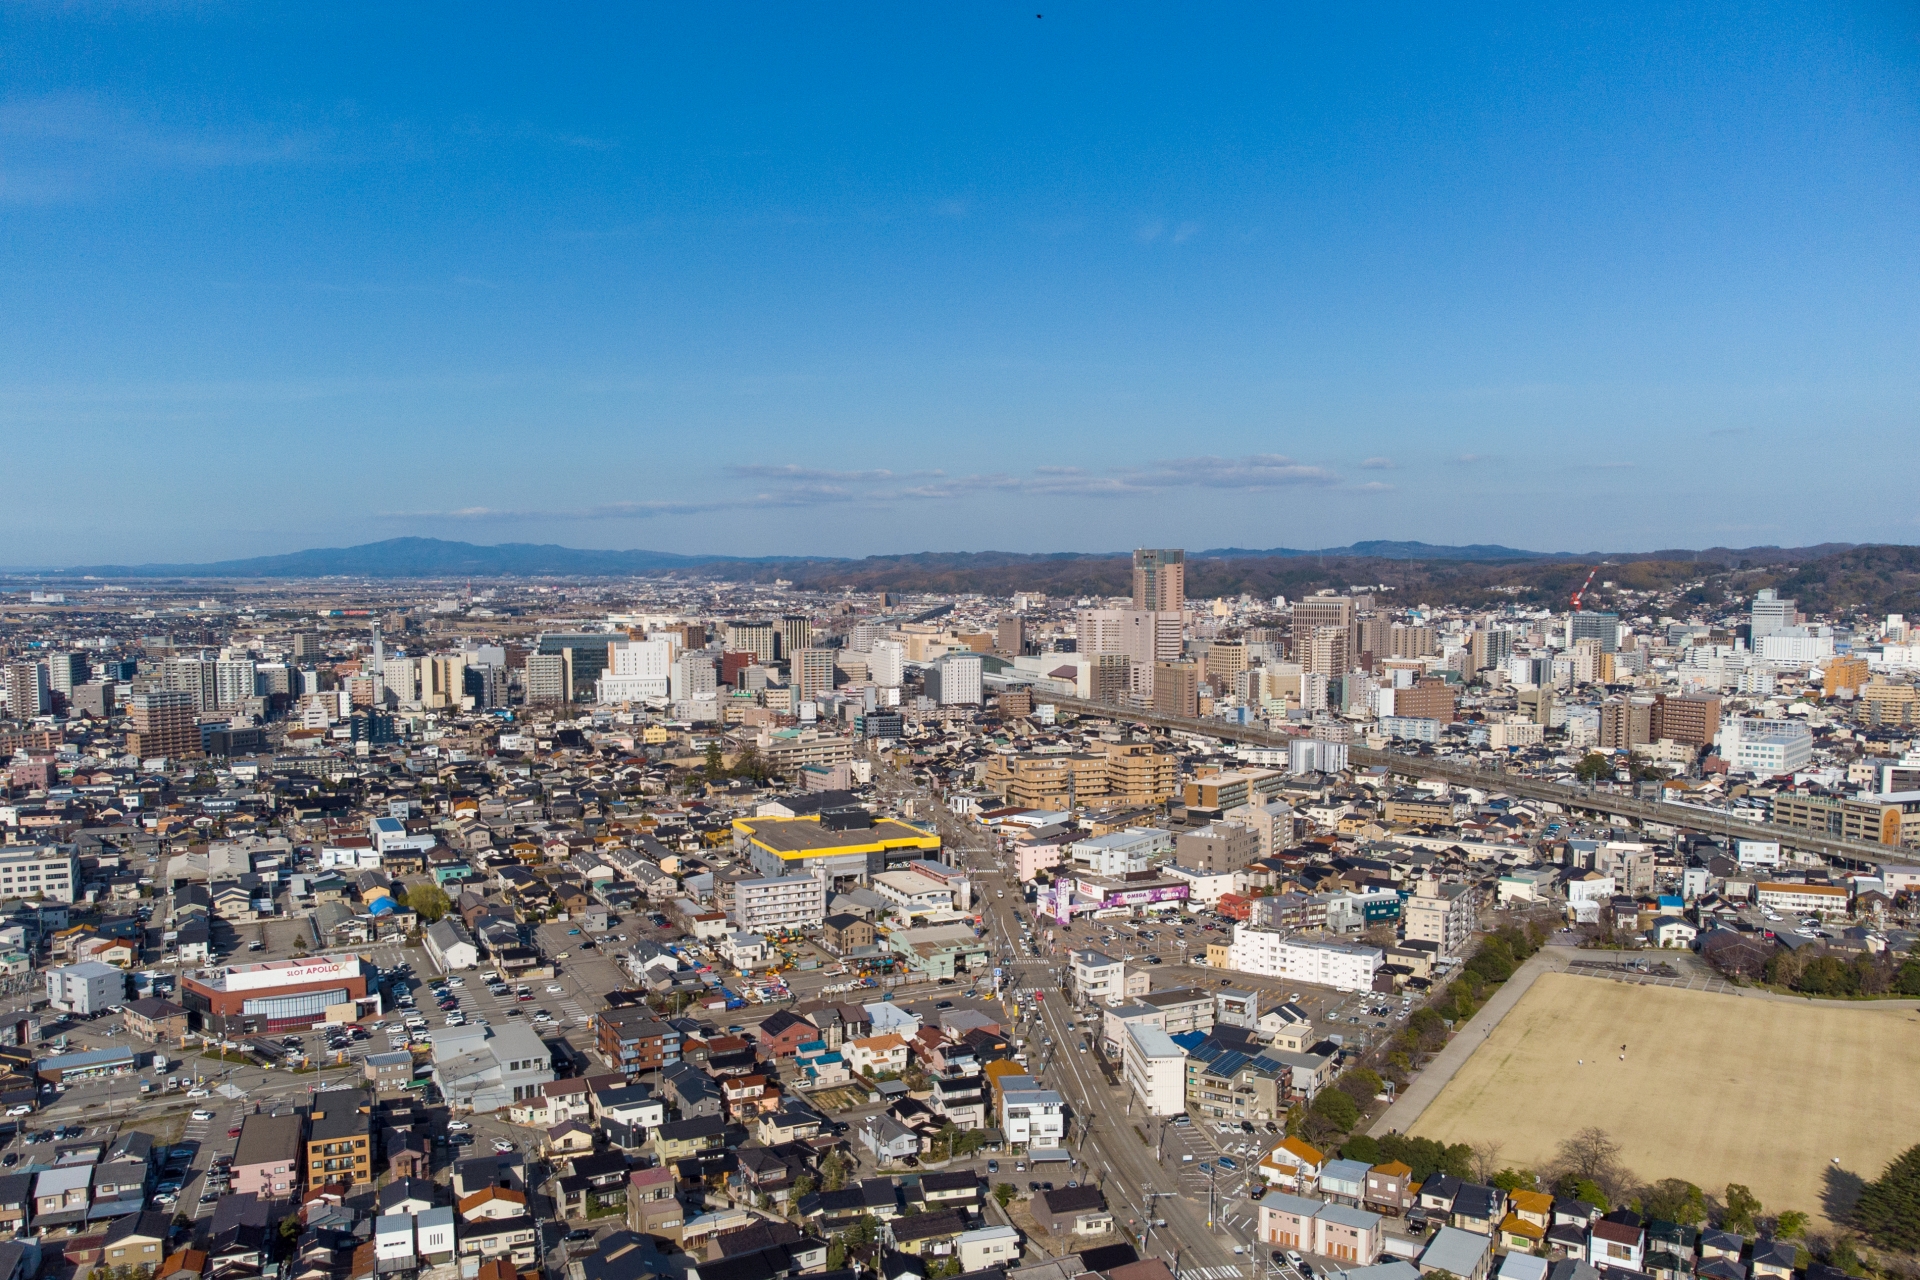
(1419, 1095)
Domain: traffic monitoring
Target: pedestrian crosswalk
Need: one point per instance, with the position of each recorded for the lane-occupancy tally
(1210, 1273)
(572, 1009)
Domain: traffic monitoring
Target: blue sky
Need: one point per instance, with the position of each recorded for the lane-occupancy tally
(848, 280)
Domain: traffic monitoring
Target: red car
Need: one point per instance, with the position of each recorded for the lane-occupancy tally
(234, 1132)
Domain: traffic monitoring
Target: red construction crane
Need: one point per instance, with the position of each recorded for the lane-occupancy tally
(1583, 588)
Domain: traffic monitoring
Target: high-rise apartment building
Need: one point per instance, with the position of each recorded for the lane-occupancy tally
(65, 670)
(163, 725)
(1604, 627)
(443, 682)
(796, 633)
(28, 694)
(692, 677)
(756, 638)
(1489, 647)
(198, 678)
(1689, 718)
(1176, 688)
(1160, 580)
(1327, 650)
(1410, 641)
(1373, 636)
(306, 646)
(810, 672)
(1109, 676)
(549, 677)
(233, 682)
(1626, 722)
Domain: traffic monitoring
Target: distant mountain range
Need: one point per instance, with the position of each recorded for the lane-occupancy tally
(1874, 578)
(438, 558)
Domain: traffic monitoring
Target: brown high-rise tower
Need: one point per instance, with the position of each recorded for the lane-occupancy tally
(1160, 580)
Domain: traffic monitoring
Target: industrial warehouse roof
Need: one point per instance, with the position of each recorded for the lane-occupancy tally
(809, 838)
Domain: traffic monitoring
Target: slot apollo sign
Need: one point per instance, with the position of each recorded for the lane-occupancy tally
(256, 979)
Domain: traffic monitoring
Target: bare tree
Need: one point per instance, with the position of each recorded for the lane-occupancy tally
(1486, 1162)
(1591, 1154)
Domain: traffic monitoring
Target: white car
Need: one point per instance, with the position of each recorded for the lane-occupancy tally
(502, 1146)
(201, 1113)
(20, 1109)
(554, 989)
(200, 1093)
(458, 1126)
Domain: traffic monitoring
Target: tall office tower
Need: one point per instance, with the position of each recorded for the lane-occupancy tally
(163, 725)
(1327, 650)
(1225, 659)
(1176, 689)
(810, 672)
(198, 678)
(693, 635)
(887, 663)
(65, 670)
(796, 633)
(1145, 636)
(861, 638)
(306, 644)
(1604, 627)
(443, 681)
(755, 638)
(1319, 611)
(1410, 641)
(1770, 614)
(1160, 580)
(1011, 636)
(550, 677)
(28, 694)
(233, 682)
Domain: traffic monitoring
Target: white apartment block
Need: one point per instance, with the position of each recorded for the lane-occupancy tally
(779, 903)
(1266, 953)
(55, 876)
(1156, 1070)
(1097, 978)
(1768, 748)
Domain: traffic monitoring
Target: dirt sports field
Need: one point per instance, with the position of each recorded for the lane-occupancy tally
(1714, 1089)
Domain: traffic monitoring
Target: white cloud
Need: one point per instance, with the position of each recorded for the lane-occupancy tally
(1377, 464)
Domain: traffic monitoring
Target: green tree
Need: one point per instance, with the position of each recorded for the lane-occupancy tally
(833, 1171)
(429, 901)
(1906, 982)
(1790, 1225)
(1430, 1029)
(1004, 1193)
(1337, 1109)
(1888, 1210)
(1844, 1256)
(836, 1253)
(1740, 1208)
(1363, 1148)
(1590, 1191)
(1674, 1200)
(1512, 1180)
(803, 1186)
(1593, 767)
(715, 764)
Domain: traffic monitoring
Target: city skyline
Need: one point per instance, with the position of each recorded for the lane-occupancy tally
(872, 282)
